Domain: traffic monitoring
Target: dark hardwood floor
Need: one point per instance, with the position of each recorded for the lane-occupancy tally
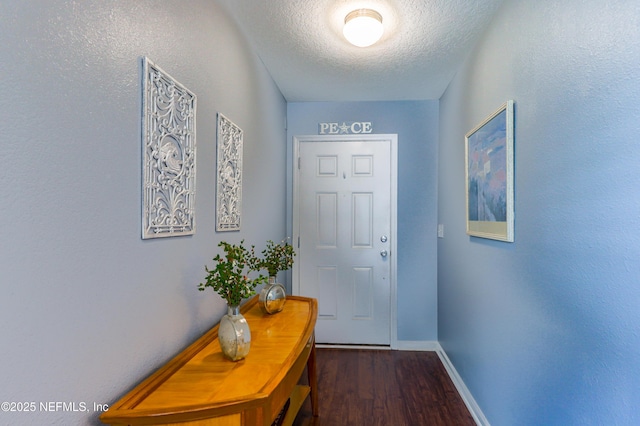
(377, 387)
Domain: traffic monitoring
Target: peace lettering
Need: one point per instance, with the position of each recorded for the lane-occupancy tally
(356, 127)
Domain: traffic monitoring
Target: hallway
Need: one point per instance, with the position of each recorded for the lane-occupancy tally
(373, 387)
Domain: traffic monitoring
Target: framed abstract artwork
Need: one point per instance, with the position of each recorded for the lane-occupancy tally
(229, 175)
(168, 155)
(489, 176)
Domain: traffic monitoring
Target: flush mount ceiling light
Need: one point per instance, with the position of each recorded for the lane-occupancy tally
(363, 27)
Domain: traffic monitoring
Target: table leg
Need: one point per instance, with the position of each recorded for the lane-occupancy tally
(313, 378)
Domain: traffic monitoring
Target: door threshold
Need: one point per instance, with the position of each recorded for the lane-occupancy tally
(353, 346)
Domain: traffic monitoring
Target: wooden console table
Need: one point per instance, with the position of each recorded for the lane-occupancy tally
(200, 387)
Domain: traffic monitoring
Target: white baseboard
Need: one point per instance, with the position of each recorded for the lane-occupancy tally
(466, 396)
(416, 345)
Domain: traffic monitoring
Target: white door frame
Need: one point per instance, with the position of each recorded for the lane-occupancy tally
(393, 139)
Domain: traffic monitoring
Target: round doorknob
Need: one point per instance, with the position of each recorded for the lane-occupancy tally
(383, 253)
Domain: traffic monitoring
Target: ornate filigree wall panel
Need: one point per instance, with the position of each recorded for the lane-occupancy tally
(229, 177)
(169, 155)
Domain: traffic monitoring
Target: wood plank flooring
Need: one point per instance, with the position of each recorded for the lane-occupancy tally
(362, 387)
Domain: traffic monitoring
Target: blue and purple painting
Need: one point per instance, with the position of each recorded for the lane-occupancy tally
(487, 171)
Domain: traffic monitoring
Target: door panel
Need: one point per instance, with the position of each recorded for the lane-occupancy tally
(327, 220)
(343, 207)
(363, 293)
(362, 219)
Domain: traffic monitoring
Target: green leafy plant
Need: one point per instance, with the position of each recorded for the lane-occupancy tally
(230, 277)
(275, 258)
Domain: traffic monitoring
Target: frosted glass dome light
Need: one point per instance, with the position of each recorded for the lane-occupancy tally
(363, 27)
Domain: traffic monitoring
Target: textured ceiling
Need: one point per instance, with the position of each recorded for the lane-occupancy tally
(301, 44)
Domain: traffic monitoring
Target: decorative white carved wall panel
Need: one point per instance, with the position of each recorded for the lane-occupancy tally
(229, 176)
(169, 155)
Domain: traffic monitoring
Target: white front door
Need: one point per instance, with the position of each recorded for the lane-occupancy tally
(344, 222)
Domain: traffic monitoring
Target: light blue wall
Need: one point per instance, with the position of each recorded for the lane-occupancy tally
(545, 331)
(87, 308)
(416, 124)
